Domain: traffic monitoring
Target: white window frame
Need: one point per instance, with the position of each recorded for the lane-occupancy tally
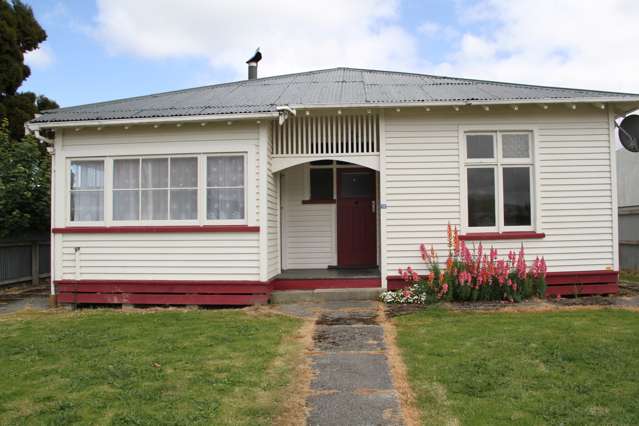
(201, 219)
(204, 188)
(151, 222)
(498, 163)
(68, 191)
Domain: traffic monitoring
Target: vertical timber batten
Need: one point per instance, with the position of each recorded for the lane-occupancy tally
(263, 197)
(382, 199)
(613, 180)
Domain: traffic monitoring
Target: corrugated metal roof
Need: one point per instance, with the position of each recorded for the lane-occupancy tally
(335, 87)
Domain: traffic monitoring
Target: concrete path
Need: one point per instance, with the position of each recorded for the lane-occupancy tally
(351, 382)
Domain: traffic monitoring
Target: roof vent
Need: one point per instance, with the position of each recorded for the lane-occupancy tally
(252, 64)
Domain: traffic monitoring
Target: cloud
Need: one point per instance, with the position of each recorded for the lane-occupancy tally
(39, 58)
(292, 35)
(575, 43)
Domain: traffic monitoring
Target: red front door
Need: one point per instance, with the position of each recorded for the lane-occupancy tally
(356, 224)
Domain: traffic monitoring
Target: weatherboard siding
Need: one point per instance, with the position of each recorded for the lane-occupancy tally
(573, 165)
(273, 216)
(310, 229)
(157, 256)
(149, 256)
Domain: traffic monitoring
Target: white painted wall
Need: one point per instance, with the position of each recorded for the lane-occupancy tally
(575, 187)
(310, 236)
(273, 215)
(189, 256)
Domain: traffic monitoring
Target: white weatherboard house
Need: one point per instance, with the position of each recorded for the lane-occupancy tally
(325, 179)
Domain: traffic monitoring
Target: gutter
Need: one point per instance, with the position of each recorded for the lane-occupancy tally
(151, 120)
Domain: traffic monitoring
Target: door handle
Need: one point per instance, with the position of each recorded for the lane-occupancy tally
(373, 206)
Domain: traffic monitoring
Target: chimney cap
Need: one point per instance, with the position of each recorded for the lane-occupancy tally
(256, 57)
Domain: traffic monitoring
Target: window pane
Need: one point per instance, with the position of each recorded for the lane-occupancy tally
(515, 145)
(517, 196)
(225, 203)
(126, 205)
(87, 206)
(183, 172)
(155, 204)
(321, 184)
(155, 173)
(225, 171)
(87, 174)
(357, 184)
(479, 146)
(481, 197)
(183, 204)
(126, 174)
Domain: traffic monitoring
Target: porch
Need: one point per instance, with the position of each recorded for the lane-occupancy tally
(313, 279)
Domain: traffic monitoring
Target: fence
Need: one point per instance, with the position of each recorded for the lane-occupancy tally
(24, 261)
(629, 238)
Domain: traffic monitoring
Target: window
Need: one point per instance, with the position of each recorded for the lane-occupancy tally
(225, 198)
(499, 171)
(321, 184)
(155, 189)
(87, 191)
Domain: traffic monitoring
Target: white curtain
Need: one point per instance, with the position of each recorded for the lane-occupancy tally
(155, 193)
(225, 187)
(515, 145)
(87, 206)
(126, 174)
(183, 193)
(87, 194)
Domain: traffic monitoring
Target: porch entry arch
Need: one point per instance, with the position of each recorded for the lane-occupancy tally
(280, 163)
(335, 229)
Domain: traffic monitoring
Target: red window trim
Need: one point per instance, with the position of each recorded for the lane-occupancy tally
(326, 201)
(512, 235)
(153, 229)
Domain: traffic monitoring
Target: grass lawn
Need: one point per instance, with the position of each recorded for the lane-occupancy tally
(158, 367)
(559, 367)
(629, 276)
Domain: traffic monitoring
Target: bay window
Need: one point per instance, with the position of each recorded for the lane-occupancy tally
(156, 189)
(499, 172)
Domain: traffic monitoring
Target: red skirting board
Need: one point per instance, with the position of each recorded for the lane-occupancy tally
(163, 292)
(579, 283)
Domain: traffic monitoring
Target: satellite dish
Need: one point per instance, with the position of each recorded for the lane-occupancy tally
(629, 133)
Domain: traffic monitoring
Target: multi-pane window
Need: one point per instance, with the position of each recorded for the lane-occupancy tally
(225, 198)
(499, 183)
(87, 191)
(155, 189)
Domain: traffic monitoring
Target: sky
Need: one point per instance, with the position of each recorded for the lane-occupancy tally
(110, 49)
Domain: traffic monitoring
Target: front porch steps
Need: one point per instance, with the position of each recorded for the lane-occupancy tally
(325, 295)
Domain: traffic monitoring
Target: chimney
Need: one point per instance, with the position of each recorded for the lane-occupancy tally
(252, 64)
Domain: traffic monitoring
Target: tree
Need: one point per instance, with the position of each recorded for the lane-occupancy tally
(19, 33)
(24, 185)
(25, 167)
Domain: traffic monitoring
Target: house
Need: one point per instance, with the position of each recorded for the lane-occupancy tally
(627, 183)
(322, 179)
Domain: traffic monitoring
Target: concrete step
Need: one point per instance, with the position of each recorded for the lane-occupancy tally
(325, 295)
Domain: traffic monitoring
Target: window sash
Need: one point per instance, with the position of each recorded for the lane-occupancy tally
(499, 163)
(93, 210)
(230, 190)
